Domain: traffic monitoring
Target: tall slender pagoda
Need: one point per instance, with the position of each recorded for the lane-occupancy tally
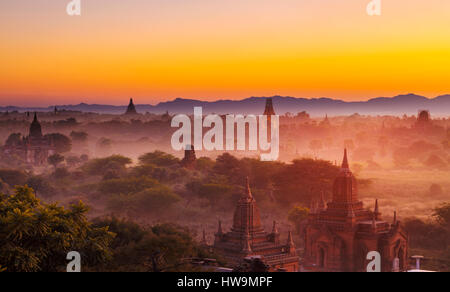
(247, 238)
(131, 110)
(269, 111)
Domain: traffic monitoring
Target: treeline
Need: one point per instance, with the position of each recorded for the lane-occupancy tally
(36, 237)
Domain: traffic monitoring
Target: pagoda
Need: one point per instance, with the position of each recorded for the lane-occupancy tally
(341, 233)
(131, 110)
(248, 238)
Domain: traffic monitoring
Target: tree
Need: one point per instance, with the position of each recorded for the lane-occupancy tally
(297, 216)
(36, 237)
(159, 158)
(155, 199)
(41, 186)
(61, 142)
(215, 192)
(303, 180)
(13, 139)
(159, 248)
(55, 160)
(79, 137)
(101, 166)
(442, 215)
(126, 186)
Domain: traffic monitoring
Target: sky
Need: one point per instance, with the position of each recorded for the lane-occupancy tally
(158, 50)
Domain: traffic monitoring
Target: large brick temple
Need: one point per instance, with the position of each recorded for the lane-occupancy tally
(35, 148)
(340, 234)
(247, 238)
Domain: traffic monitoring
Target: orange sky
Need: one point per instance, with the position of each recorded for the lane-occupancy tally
(155, 50)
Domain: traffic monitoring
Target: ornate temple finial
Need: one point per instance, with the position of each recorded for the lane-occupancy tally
(248, 191)
(290, 240)
(395, 217)
(376, 211)
(35, 119)
(345, 161)
(274, 229)
(291, 244)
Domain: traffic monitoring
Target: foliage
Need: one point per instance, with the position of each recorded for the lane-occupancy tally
(158, 248)
(158, 158)
(297, 183)
(55, 159)
(79, 137)
(13, 139)
(125, 186)
(442, 215)
(37, 237)
(61, 173)
(101, 166)
(297, 215)
(215, 192)
(61, 142)
(41, 186)
(426, 234)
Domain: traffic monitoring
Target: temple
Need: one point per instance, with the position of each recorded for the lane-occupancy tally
(247, 238)
(190, 159)
(131, 110)
(35, 148)
(340, 234)
(269, 111)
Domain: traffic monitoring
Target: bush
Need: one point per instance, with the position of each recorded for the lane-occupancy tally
(159, 158)
(101, 166)
(126, 186)
(37, 237)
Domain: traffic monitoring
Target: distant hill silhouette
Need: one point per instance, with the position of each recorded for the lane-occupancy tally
(398, 105)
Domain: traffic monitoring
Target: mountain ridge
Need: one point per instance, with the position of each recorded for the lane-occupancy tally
(397, 105)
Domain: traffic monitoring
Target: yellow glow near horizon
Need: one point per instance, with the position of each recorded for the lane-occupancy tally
(155, 50)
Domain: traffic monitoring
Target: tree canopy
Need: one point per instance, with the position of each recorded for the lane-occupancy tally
(36, 237)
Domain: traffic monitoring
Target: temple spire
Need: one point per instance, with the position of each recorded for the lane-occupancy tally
(291, 244)
(248, 192)
(131, 110)
(35, 128)
(376, 210)
(345, 161)
(269, 111)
